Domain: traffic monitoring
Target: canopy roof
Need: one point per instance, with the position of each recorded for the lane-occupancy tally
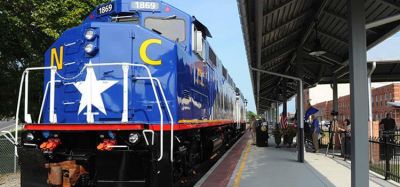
(279, 34)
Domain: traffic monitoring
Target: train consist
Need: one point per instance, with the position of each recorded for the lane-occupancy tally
(134, 96)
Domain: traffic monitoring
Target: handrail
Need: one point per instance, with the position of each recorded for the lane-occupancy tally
(9, 137)
(44, 99)
(24, 73)
(169, 113)
(152, 136)
(90, 119)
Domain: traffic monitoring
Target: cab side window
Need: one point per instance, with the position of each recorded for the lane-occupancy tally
(173, 29)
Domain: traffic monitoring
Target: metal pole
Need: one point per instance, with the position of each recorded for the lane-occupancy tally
(277, 113)
(52, 118)
(335, 95)
(266, 114)
(370, 98)
(301, 109)
(301, 133)
(333, 126)
(125, 70)
(359, 94)
(259, 31)
(26, 117)
(383, 21)
(89, 114)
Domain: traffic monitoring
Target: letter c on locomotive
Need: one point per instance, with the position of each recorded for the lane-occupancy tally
(143, 52)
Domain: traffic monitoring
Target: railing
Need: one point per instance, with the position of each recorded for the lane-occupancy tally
(384, 152)
(385, 155)
(89, 115)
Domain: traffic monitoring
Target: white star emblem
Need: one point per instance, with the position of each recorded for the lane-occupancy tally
(98, 87)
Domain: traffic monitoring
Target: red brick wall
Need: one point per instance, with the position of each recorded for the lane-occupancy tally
(374, 148)
(380, 97)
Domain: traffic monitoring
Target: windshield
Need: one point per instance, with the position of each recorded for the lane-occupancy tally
(173, 29)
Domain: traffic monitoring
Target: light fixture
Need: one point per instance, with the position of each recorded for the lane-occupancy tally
(134, 137)
(90, 48)
(29, 137)
(317, 49)
(90, 34)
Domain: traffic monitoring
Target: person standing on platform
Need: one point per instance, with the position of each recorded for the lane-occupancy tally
(388, 123)
(315, 135)
(253, 125)
(345, 133)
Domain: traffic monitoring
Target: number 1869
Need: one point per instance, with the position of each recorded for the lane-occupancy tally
(146, 5)
(105, 9)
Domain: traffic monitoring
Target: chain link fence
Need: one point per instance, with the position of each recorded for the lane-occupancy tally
(7, 156)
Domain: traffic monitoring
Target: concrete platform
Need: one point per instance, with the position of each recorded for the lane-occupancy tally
(249, 166)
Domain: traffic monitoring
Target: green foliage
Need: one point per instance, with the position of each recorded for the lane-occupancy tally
(28, 28)
(250, 114)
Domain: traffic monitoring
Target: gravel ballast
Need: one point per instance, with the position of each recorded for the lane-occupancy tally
(10, 180)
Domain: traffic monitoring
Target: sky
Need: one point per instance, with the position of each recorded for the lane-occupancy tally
(222, 19)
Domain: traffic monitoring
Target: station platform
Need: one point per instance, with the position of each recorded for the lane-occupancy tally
(248, 165)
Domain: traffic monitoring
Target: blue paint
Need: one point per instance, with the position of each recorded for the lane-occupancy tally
(194, 88)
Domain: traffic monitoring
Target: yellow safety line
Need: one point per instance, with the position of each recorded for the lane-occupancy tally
(242, 165)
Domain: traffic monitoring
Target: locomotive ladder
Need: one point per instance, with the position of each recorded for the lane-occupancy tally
(89, 115)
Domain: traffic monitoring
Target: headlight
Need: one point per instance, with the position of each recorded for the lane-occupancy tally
(29, 137)
(90, 48)
(90, 34)
(134, 137)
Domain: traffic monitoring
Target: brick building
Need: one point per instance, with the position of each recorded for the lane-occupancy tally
(380, 97)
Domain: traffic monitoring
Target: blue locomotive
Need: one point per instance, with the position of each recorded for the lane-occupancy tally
(134, 96)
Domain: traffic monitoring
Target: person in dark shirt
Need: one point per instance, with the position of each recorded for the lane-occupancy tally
(388, 123)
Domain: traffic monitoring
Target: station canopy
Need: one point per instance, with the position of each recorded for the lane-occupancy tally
(281, 35)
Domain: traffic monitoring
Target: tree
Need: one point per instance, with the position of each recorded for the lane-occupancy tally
(250, 114)
(28, 28)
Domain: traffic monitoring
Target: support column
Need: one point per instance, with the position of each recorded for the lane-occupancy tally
(335, 95)
(359, 94)
(276, 113)
(284, 107)
(271, 112)
(300, 111)
(266, 114)
(259, 22)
